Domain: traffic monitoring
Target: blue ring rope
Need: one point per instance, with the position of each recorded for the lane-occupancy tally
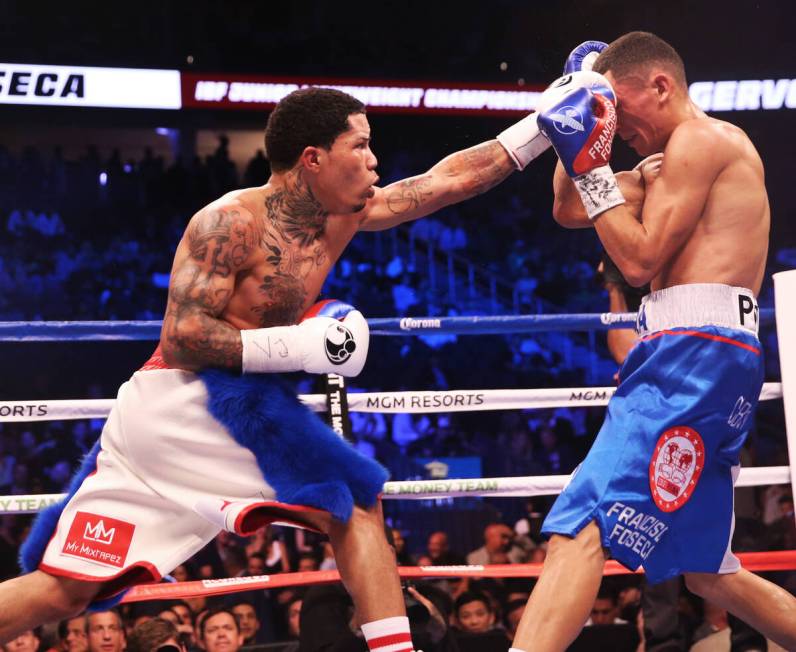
(75, 331)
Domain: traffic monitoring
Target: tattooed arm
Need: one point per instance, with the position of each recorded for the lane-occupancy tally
(216, 246)
(455, 178)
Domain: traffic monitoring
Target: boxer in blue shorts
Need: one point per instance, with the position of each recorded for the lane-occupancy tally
(656, 488)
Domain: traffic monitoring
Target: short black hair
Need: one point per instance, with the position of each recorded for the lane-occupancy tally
(472, 596)
(310, 117)
(636, 50)
(214, 612)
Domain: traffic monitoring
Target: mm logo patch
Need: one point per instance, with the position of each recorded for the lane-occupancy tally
(675, 467)
(102, 539)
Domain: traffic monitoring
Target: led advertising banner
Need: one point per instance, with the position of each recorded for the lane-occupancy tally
(122, 88)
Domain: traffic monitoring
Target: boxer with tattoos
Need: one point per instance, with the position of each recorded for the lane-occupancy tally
(206, 436)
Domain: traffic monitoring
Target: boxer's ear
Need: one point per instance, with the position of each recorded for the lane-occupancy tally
(310, 159)
(663, 85)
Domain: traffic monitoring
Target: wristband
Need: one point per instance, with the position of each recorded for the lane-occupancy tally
(271, 350)
(598, 190)
(523, 141)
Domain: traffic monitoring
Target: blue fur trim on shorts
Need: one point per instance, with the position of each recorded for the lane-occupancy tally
(32, 550)
(302, 458)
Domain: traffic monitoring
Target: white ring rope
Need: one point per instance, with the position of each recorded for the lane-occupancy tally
(423, 402)
(522, 487)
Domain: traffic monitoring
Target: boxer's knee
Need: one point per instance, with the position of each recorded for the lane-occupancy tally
(701, 584)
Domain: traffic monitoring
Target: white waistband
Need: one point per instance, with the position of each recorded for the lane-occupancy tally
(698, 304)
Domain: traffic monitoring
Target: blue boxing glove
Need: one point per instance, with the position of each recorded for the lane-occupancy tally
(332, 337)
(581, 124)
(584, 56)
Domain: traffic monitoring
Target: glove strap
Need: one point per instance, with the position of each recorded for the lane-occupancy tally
(598, 190)
(271, 350)
(523, 141)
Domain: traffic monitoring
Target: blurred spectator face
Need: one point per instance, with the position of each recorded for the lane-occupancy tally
(294, 618)
(307, 564)
(475, 617)
(181, 573)
(247, 619)
(221, 634)
(171, 616)
(437, 545)
(604, 611)
(76, 639)
(255, 565)
(105, 632)
(398, 541)
(184, 613)
(497, 537)
(25, 642)
(513, 618)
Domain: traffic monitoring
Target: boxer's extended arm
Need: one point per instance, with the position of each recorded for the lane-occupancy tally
(217, 245)
(457, 177)
(694, 156)
(568, 209)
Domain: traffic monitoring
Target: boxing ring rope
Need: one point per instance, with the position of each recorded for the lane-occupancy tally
(759, 562)
(412, 402)
(72, 331)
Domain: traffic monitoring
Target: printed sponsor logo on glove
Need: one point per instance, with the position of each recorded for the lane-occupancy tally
(339, 343)
(567, 120)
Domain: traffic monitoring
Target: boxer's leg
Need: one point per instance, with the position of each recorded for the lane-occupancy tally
(365, 560)
(37, 598)
(555, 615)
(765, 606)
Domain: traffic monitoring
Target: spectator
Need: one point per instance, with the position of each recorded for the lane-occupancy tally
(294, 618)
(153, 635)
(606, 609)
(474, 617)
(247, 621)
(72, 634)
(255, 565)
(25, 642)
(499, 547)
(105, 631)
(513, 615)
(438, 549)
(402, 555)
(219, 632)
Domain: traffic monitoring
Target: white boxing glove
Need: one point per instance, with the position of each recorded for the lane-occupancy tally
(332, 338)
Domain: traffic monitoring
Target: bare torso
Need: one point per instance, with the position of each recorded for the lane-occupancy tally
(287, 265)
(730, 241)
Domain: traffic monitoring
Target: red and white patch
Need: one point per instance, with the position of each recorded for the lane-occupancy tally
(675, 467)
(102, 539)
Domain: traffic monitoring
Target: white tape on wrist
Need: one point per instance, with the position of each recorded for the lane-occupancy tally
(523, 141)
(271, 350)
(598, 191)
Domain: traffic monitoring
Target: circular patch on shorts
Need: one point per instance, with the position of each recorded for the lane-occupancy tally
(675, 467)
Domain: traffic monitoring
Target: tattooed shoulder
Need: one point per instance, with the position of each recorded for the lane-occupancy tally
(222, 238)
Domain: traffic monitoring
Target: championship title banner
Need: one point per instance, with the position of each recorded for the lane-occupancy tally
(260, 93)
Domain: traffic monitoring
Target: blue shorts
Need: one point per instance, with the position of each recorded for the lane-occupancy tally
(658, 480)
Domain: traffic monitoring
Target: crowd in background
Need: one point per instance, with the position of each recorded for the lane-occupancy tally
(93, 238)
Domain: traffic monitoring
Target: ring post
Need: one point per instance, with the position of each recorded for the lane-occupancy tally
(785, 302)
